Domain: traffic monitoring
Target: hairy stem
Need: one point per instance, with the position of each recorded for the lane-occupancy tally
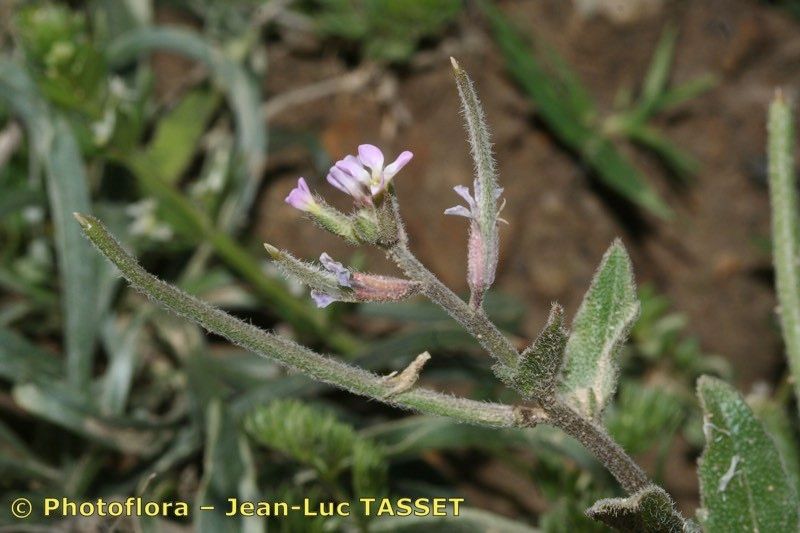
(472, 319)
(600, 444)
(593, 437)
(299, 358)
(785, 238)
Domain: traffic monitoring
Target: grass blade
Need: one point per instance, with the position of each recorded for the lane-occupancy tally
(68, 191)
(558, 112)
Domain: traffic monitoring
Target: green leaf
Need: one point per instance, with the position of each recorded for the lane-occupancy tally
(370, 470)
(22, 361)
(539, 365)
(309, 435)
(650, 510)
(743, 484)
(598, 331)
(68, 191)
(657, 76)
(64, 407)
(781, 426)
(644, 416)
(178, 133)
(785, 224)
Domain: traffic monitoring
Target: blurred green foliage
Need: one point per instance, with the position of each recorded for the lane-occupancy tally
(388, 30)
(570, 112)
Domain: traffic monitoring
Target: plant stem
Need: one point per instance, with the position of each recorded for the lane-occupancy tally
(299, 358)
(474, 321)
(600, 444)
(786, 252)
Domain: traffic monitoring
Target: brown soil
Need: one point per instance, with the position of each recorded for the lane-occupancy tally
(707, 260)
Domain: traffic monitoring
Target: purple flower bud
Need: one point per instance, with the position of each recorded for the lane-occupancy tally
(373, 288)
(301, 198)
(342, 274)
(482, 249)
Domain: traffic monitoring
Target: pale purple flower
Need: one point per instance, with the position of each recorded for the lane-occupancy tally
(343, 278)
(322, 299)
(482, 248)
(341, 272)
(365, 177)
(301, 198)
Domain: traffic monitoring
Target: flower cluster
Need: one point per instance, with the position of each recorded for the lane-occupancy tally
(364, 177)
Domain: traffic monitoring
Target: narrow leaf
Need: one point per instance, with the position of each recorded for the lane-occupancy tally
(600, 328)
(650, 510)
(743, 484)
(655, 80)
(178, 133)
(557, 110)
(786, 247)
(68, 191)
(229, 471)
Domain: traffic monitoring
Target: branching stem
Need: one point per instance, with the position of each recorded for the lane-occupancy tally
(593, 436)
(297, 357)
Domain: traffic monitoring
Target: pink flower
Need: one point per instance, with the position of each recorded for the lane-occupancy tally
(301, 198)
(365, 177)
(482, 248)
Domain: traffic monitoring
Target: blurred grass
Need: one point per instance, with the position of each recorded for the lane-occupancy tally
(565, 106)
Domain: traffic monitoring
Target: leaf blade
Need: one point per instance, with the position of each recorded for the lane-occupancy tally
(743, 484)
(599, 329)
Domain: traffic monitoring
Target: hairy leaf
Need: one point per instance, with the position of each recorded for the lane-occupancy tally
(600, 328)
(743, 484)
(540, 364)
(650, 510)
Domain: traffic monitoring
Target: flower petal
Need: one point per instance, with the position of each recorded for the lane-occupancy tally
(345, 183)
(458, 210)
(371, 156)
(395, 166)
(322, 299)
(336, 268)
(352, 166)
(463, 192)
(300, 197)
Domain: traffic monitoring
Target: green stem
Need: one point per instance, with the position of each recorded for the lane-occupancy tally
(474, 321)
(783, 198)
(296, 357)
